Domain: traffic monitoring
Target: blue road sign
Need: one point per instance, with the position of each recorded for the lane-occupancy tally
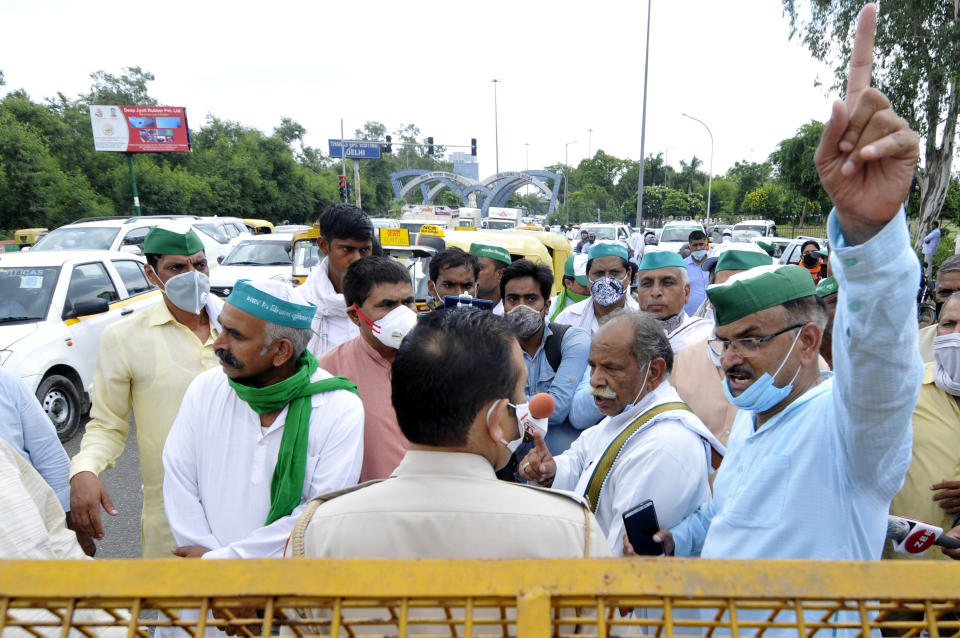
(356, 149)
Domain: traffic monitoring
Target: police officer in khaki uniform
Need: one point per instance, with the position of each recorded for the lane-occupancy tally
(456, 379)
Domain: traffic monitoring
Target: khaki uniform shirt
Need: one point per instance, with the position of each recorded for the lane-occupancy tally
(144, 363)
(451, 505)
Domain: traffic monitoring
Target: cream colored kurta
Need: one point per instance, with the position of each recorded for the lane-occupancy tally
(144, 363)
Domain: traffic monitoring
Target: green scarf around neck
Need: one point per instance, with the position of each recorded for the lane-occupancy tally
(564, 299)
(287, 483)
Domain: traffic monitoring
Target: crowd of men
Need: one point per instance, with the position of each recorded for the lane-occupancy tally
(767, 411)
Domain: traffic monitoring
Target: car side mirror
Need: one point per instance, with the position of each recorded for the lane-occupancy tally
(88, 306)
(220, 259)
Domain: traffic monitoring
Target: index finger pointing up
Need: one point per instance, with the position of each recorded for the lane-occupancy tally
(861, 61)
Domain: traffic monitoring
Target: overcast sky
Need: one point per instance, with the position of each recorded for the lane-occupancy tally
(566, 67)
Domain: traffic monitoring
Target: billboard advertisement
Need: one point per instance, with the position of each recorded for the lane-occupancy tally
(140, 129)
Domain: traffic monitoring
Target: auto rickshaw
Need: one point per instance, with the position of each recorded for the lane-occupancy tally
(559, 248)
(27, 236)
(259, 226)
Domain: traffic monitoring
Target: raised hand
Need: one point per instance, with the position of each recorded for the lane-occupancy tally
(538, 465)
(867, 154)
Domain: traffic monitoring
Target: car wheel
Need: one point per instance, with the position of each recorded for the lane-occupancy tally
(61, 402)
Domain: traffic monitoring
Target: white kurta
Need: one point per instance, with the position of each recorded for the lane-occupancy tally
(692, 330)
(218, 464)
(498, 309)
(666, 461)
(331, 325)
(581, 314)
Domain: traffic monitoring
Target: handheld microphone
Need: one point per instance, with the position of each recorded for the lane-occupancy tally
(916, 537)
(538, 410)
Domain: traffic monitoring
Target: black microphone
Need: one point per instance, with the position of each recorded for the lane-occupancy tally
(915, 537)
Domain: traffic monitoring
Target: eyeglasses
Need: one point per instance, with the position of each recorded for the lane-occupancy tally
(745, 347)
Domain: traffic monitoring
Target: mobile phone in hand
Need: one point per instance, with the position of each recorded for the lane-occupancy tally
(641, 524)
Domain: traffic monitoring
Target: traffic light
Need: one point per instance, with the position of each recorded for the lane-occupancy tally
(343, 188)
(388, 147)
(429, 146)
(473, 146)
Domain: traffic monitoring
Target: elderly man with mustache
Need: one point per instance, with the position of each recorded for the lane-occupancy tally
(648, 446)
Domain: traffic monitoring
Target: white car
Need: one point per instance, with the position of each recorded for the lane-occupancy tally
(675, 236)
(127, 234)
(54, 305)
(256, 257)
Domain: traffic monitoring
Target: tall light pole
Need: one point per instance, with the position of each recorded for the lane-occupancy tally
(496, 132)
(527, 144)
(589, 143)
(643, 123)
(710, 183)
(566, 172)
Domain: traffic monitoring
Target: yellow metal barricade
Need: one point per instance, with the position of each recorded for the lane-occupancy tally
(532, 599)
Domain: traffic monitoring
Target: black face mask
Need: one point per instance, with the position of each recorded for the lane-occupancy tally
(810, 260)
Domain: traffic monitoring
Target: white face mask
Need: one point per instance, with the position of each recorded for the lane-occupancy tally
(188, 291)
(946, 354)
(514, 444)
(393, 326)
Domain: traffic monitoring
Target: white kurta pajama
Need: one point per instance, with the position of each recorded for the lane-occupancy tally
(581, 314)
(691, 330)
(218, 465)
(668, 461)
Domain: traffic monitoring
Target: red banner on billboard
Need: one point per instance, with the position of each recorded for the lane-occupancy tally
(140, 129)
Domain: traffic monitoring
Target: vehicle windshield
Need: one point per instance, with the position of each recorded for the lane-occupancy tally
(741, 234)
(306, 256)
(212, 231)
(260, 253)
(500, 224)
(757, 228)
(25, 293)
(603, 232)
(680, 233)
(78, 238)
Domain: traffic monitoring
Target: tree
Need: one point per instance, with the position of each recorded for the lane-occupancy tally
(128, 88)
(793, 160)
(917, 67)
(748, 176)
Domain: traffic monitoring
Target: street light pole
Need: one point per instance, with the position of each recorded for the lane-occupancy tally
(566, 172)
(527, 144)
(710, 182)
(496, 130)
(643, 123)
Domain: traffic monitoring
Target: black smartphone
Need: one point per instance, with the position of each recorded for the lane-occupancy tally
(641, 524)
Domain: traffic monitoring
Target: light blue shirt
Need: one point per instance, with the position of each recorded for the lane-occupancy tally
(583, 410)
(698, 285)
(25, 426)
(931, 242)
(559, 383)
(816, 481)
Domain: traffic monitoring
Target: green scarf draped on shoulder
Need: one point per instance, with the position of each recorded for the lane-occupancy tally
(287, 483)
(564, 299)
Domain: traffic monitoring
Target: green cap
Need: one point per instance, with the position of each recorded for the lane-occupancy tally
(757, 289)
(576, 267)
(172, 239)
(661, 259)
(827, 287)
(742, 260)
(490, 250)
(767, 246)
(608, 249)
(274, 302)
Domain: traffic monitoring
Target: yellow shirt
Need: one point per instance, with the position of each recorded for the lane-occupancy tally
(936, 441)
(145, 363)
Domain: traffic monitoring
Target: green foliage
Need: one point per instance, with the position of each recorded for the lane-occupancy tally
(951, 204)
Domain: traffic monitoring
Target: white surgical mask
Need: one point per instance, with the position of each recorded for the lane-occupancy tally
(188, 291)
(514, 444)
(393, 326)
(946, 354)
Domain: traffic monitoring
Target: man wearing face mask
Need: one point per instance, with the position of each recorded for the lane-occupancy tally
(931, 490)
(381, 303)
(453, 273)
(695, 274)
(145, 363)
(947, 283)
(649, 446)
(812, 259)
(555, 354)
(493, 259)
(608, 271)
(443, 500)
(663, 290)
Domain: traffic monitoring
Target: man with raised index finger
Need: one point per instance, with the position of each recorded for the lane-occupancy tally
(813, 462)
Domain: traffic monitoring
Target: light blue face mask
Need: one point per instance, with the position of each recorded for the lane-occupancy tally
(762, 395)
(699, 254)
(630, 406)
